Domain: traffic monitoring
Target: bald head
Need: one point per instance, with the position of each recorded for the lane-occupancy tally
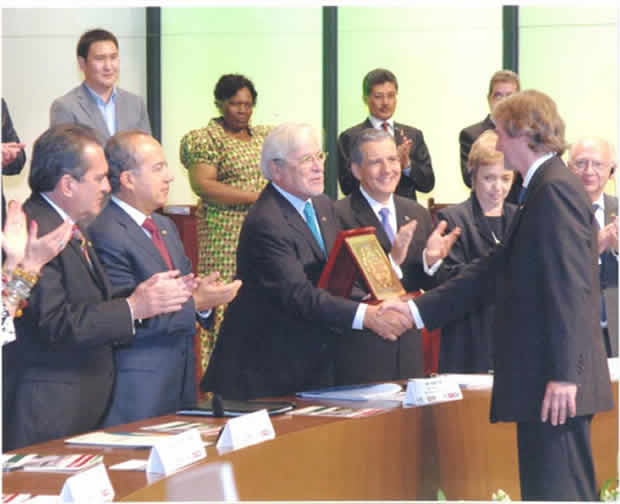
(593, 159)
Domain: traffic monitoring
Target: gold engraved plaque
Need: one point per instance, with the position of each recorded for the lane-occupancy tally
(375, 267)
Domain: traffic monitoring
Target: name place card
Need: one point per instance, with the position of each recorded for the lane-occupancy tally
(423, 391)
(246, 430)
(174, 452)
(91, 485)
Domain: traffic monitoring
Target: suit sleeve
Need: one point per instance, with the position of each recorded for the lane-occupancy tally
(465, 142)
(421, 177)
(76, 324)
(60, 114)
(564, 242)
(348, 182)
(282, 279)
(10, 135)
(457, 257)
(144, 123)
(463, 293)
(122, 265)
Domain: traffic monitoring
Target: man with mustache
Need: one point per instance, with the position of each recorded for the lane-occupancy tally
(155, 373)
(67, 334)
(380, 89)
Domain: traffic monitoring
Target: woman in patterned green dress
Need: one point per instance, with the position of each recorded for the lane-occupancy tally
(223, 163)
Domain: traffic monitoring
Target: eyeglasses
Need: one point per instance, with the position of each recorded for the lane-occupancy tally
(308, 159)
(582, 164)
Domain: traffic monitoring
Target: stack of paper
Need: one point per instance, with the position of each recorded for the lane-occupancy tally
(355, 392)
(472, 381)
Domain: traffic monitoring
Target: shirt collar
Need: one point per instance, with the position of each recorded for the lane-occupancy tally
(64, 215)
(98, 98)
(600, 201)
(376, 206)
(378, 123)
(297, 203)
(133, 212)
(534, 167)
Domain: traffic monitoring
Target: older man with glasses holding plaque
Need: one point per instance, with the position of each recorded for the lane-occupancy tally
(278, 334)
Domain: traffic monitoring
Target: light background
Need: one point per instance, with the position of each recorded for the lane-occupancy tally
(443, 58)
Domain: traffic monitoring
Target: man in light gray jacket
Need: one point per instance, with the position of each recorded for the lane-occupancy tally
(97, 102)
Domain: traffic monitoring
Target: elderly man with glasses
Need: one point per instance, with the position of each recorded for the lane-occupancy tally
(593, 160)
(279, 333)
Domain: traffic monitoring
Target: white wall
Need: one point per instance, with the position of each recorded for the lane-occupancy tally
(39, 64)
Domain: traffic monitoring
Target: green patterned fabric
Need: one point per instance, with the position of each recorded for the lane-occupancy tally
(237, 162)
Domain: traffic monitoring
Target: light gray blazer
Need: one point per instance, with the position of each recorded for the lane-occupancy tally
(79, 107)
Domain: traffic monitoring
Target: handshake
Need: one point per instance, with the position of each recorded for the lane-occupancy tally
(166, 292)
(389, 319)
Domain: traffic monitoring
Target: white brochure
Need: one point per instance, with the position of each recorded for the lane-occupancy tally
(174, 452)
(246, 430)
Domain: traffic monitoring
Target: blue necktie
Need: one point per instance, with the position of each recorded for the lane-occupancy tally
(385, 222)
(312, 224)
(522, 194)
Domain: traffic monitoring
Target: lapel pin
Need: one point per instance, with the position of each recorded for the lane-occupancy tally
(164, 232)
(324, 219)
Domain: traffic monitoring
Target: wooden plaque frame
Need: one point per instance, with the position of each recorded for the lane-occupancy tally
(358, 252)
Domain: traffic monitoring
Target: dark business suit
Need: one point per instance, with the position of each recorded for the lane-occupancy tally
(79, 107)
(421, 177)
(277, 335)
(155, 374)
(547, 327)
(467, 137)
(467, 344)
(609, 279)
(362, 356)
(65, 343)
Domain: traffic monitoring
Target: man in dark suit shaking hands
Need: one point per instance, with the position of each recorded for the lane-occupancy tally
(551, 372)
(380, 89)
(279, 333)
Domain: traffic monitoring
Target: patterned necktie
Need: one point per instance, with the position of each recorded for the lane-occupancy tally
(386, 126)
(150, 226)
(385, 221)
(78, 235)
(310, 216)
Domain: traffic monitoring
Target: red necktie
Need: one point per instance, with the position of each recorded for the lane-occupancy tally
(78, 235)
(386, 126)
(150, 226)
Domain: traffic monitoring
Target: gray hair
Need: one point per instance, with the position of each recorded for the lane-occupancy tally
(283, 140)
(603, 145)
(366, 136)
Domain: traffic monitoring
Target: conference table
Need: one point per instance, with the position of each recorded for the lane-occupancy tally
(402, 453)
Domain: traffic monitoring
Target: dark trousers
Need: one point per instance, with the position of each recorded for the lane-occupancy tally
(555, 463)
